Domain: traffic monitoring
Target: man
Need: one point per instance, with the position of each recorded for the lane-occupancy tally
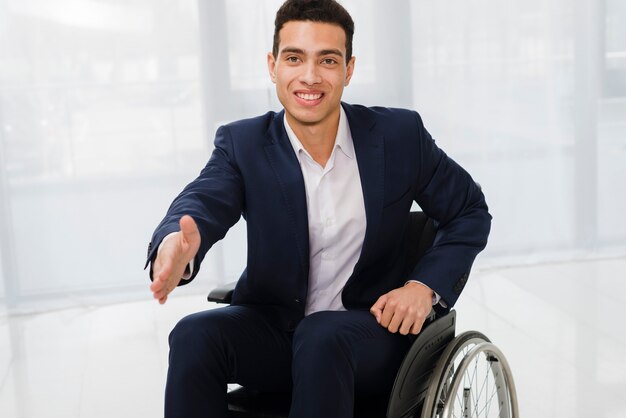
(326, 302)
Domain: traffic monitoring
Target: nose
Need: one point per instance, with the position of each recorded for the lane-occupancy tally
(310, 74)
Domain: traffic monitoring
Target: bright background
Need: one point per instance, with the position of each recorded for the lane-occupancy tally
(109, 107)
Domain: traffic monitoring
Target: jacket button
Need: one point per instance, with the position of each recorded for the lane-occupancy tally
(297, 300)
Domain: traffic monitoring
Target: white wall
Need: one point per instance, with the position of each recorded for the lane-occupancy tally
(108, 108)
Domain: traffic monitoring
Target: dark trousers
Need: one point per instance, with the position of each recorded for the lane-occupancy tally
(330, 358)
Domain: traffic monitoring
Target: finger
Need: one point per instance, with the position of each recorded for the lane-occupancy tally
(156, 285)
(154, 289)
(162, 265)
(166, 288)
(159, 288)
(161, 277)
(407, 325)
(377, 308)
(396, 321)
(417, 327)
(188, 227)
(419, 321)
(388, 313)
(160, 293)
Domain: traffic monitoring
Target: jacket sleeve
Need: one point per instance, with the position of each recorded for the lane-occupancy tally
(448, 195)
(215, 201)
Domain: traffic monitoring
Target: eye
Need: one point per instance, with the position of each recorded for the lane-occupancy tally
(292, 59)
(329, 61)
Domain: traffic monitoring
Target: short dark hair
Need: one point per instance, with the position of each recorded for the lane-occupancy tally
(324, 11)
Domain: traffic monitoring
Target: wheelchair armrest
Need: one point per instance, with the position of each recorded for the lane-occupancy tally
(222, 294)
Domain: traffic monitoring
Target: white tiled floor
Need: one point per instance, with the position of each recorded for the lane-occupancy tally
(558, 324)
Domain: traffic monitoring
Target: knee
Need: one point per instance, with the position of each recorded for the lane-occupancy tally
(319, 335)
(197, 352)
(185, 331)
(194, 336)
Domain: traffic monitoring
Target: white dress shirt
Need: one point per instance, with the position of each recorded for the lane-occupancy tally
(336, 215)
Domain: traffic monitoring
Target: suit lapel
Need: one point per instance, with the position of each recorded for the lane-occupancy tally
(289, 176)
(370, 155)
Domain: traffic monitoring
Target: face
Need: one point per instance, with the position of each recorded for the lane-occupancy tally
(310, 71)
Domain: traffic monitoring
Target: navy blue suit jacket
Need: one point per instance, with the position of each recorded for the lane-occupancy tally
(253, 171)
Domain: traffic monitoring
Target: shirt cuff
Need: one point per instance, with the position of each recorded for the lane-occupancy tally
(436, 298)
(189, 268)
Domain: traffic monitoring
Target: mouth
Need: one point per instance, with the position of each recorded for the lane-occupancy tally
(309, 98)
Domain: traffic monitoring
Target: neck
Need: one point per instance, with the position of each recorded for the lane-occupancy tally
(318, 139)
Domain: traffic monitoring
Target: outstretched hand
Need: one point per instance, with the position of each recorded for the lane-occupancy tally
(173, 257)
(404, 309)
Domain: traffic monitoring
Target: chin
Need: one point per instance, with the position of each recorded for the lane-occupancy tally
(305, 116)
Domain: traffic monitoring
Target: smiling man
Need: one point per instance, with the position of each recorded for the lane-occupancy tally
(326, 302)
(310, 73)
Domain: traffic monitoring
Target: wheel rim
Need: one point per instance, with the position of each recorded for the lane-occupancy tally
(481, 387)
(440, 396)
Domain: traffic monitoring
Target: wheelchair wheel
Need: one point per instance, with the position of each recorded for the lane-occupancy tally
(472, 379)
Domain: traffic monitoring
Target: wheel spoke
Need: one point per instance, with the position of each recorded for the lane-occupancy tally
(478, 376)
(480, 392)
(486, 407)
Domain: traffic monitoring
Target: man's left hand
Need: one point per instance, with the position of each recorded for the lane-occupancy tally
(404, 309)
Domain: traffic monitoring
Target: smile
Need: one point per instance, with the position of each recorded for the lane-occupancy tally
(310, 96)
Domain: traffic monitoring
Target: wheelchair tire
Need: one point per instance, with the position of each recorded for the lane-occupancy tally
(444, 371)
(471, 379)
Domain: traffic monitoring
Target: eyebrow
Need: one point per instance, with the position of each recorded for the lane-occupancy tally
(293, 50)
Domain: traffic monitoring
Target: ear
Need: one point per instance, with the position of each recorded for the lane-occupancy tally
(271, 66)
(349, 70)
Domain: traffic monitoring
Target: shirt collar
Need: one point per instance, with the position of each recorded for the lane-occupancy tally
(343, 141)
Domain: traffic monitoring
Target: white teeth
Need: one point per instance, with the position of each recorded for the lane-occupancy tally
(309, 96)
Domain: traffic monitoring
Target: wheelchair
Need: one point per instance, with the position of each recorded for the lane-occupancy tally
(441, 376)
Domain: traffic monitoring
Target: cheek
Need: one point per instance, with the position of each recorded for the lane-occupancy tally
(338, 86)
(337, 80)
(282, 87)
(283, 79)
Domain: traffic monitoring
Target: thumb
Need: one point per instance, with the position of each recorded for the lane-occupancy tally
(188, 228)
(377, 308)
